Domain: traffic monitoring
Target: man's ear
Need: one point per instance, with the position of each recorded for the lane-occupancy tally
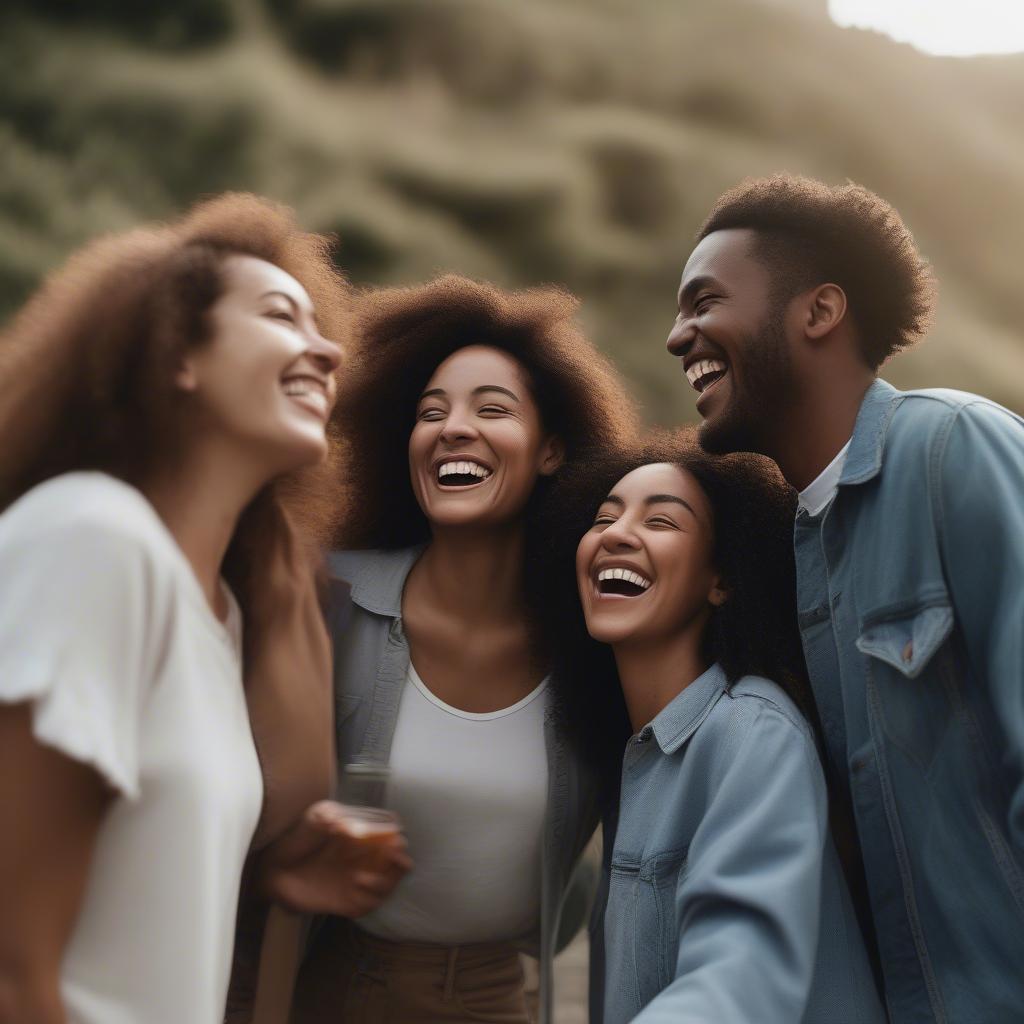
(826, 309)
(552, 455)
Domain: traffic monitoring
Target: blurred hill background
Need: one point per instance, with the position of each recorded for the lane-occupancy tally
(570, 141)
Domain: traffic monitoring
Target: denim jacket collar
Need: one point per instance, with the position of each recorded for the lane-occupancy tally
(864, 459)
(681, 718)
(377, 578)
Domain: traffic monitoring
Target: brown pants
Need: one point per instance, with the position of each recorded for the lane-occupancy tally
(351, 977)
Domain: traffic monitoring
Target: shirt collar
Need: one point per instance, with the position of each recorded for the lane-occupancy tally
(377, 578)
(864, 458)
(680, 719)
(820, 491)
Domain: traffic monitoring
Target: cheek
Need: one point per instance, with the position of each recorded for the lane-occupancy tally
(585, 554)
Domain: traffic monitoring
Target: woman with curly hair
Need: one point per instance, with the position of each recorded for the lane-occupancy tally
(467, 403)
(722, 897)
(164, 409)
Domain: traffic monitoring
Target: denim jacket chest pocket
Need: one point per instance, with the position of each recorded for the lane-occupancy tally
(642, 891)
(912, 682)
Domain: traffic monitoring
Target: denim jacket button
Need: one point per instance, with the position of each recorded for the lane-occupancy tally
(908, 651)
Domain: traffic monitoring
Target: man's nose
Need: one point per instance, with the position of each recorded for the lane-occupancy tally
(681, 337)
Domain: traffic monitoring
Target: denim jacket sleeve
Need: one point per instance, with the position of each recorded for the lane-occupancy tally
(980, 512)
(747, 903)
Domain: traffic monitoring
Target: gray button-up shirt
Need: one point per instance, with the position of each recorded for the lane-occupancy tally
(723, 896)
(371, 659)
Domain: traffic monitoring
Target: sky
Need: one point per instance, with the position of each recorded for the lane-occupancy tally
(944, 27)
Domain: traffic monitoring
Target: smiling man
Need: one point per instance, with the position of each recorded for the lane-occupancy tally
(909, 545)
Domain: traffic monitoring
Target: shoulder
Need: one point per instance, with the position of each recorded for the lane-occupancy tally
(926, 418)
(755, 719)
(83, 510)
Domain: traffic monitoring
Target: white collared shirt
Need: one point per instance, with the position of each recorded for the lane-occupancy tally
(814, 498)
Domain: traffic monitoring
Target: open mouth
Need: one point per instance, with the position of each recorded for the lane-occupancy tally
(706, 373)
(309, 392)
(462, 473)
(622, 583)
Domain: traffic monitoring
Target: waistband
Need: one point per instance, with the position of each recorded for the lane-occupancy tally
(426, 954)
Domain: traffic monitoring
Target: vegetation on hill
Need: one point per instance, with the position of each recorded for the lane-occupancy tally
(570, 141)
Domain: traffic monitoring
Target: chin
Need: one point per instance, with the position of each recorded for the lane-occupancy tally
(302, 452)
(725, 433)
(606, 630)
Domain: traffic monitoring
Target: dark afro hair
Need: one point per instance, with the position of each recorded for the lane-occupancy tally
(405, 333)
(753, 633)
(809, 233)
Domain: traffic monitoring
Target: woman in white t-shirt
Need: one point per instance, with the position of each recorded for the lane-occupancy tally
(157, 396)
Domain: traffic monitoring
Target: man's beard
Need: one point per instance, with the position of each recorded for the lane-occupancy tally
(758, 397)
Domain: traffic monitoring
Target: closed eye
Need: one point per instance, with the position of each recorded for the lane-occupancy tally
(493, 410)
(662, 521)
(604, 520)
(281, 314)
(703, 304)
(430, 414)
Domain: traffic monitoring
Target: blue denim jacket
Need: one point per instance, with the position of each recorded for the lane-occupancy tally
(723, 900)
(911, 602)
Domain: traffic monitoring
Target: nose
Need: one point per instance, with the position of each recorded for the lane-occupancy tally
(457, 427)
(326, 354)
(619, 536)
(682, 336)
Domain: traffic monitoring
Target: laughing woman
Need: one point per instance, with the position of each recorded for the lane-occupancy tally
(159, 398)
(722, 898)
(469, 402)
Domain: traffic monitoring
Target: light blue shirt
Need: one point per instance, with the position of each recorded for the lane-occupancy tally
(910, 591)
(723, 897)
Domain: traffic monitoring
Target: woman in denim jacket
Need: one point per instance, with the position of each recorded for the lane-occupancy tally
(465, 403)
(722, 897)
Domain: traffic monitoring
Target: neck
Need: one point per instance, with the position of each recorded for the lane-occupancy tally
(200, 500)
(476, 575)
(653, 674)
(817, 426)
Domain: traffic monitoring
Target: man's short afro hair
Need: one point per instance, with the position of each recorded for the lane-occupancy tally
(809, 233)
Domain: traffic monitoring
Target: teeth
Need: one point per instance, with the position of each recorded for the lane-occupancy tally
(701, 369)
(624, 574)
(463, 469)
(300, 388)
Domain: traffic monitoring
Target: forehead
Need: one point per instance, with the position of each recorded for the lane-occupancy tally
(727, 257)
(664, 478)
(478, 365)
(251, 277)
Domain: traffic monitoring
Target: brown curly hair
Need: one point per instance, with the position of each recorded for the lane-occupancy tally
(753, 633)
(809, 233)
(405, 333)
(88, 364)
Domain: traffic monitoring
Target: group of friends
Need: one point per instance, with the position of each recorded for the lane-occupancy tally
(257, 526)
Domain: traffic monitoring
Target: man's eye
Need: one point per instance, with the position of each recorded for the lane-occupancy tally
(703, 304)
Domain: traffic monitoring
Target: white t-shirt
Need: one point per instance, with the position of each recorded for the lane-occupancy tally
(822, 489)
(471, 792)
(105, 629)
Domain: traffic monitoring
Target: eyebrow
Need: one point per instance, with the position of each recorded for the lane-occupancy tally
(653, 499)
(476, 391)
(694, 285)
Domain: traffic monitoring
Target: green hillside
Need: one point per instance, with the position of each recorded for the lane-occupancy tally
(575, 141)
